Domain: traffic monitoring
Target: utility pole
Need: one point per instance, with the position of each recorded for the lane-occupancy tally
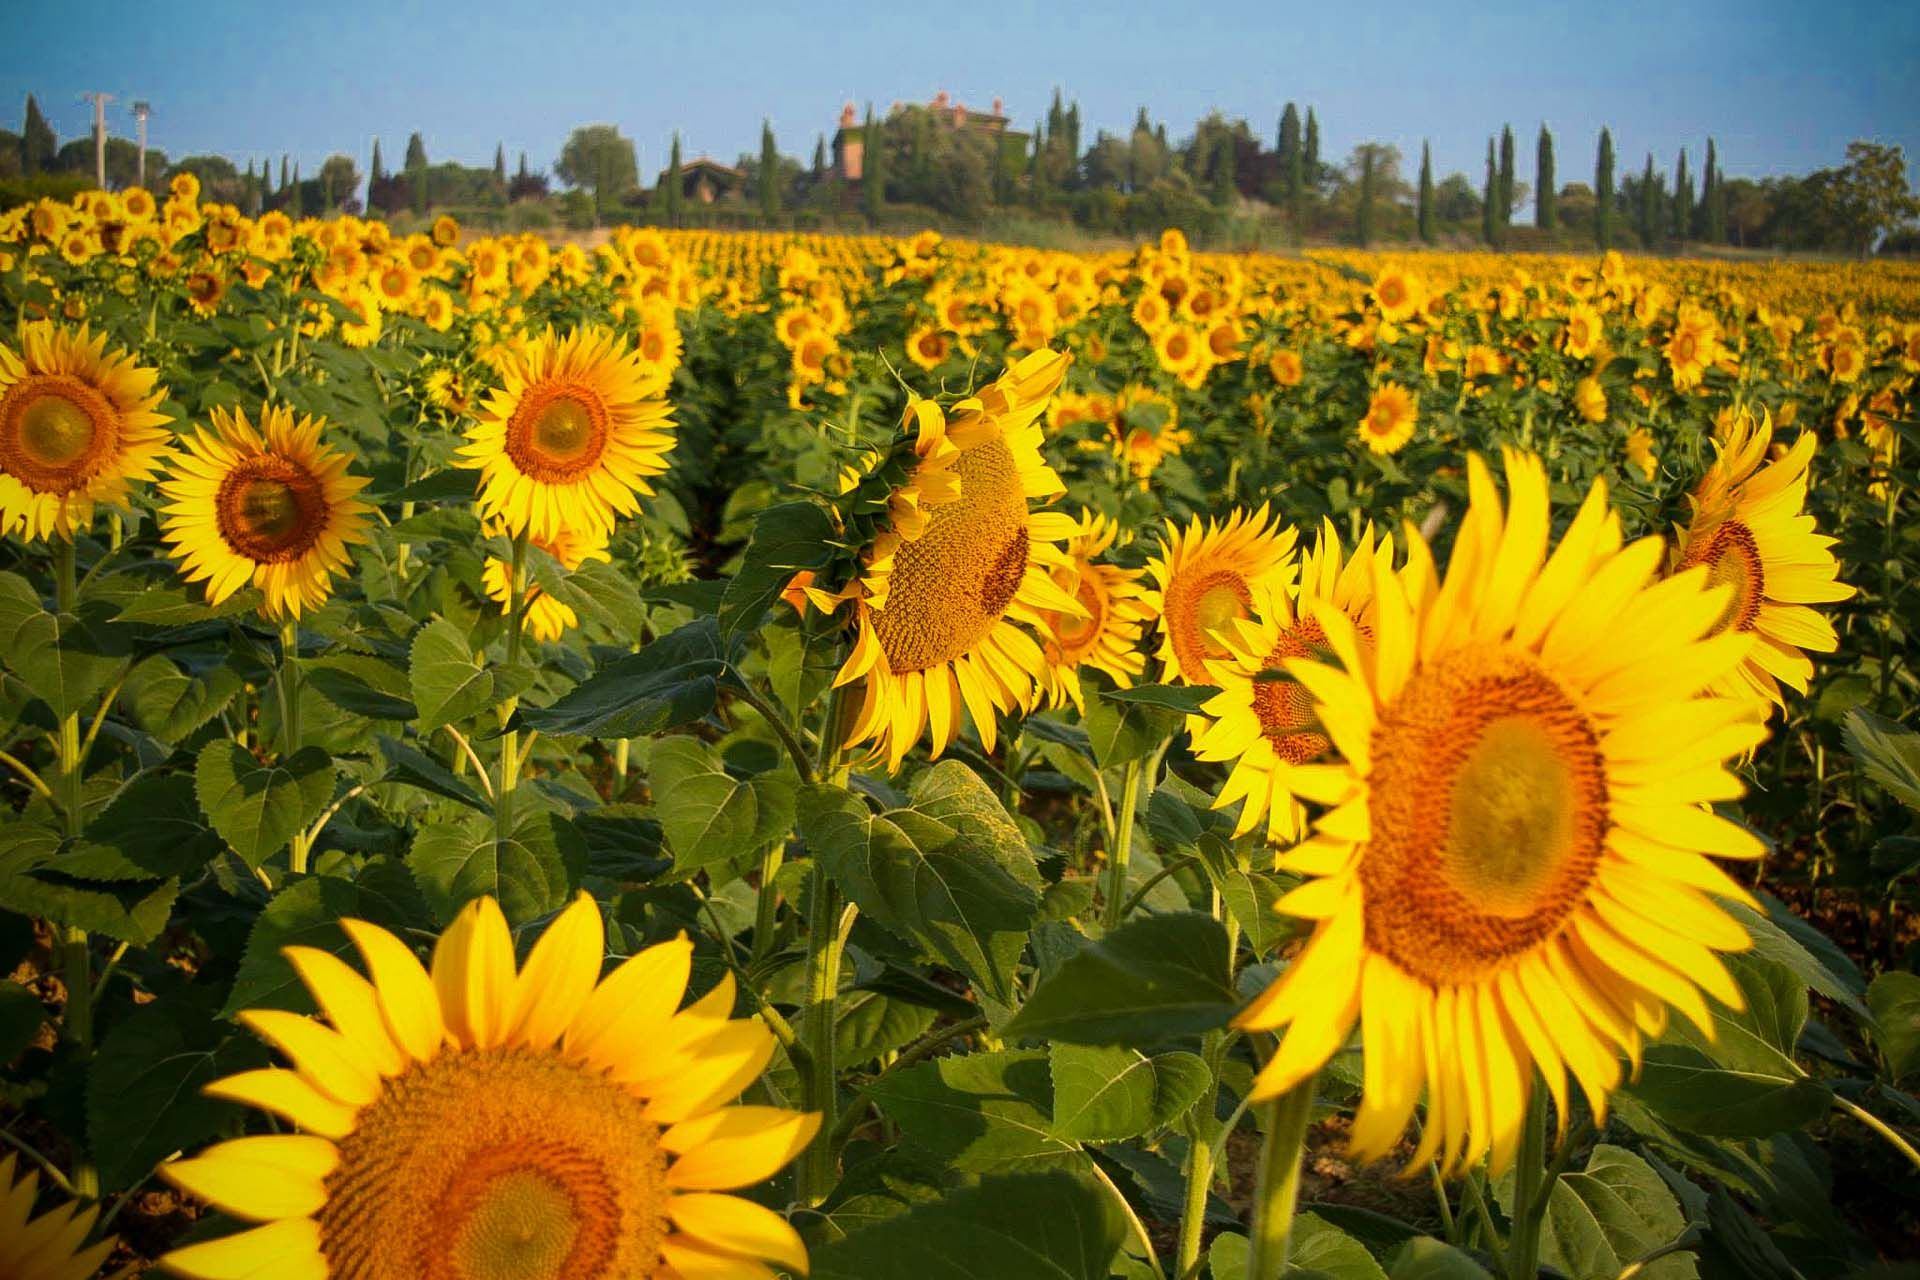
(100, 101)
(141, 110)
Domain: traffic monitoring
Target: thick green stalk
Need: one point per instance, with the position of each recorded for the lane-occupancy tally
(289, 683)
(1276, 1191)
(1200, 1133)
(76, 952)
(510, 739)
(1532, 1185)
(1122, 852)
(814, 1175)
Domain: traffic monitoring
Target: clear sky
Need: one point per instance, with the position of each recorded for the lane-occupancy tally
(1782, 86)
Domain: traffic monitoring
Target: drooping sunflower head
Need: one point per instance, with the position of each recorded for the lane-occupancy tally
(1751, 532)
(1262, 722)
(1207, 575)
(77, 424)
(1511, 872)
(1106, 636)
(474, 1123)
(964, 561)
(572, 436)
(547, 618)
(47, 1247)
(269, 506)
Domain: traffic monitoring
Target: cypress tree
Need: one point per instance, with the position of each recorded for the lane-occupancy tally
(375, 170)
(1037, 169)
(1365, 227)
(1682, 199)
(1649, 206)
(673, 181)
(1489, 226)
(1603, 193)
(1311, 160)
(1056, 120)
(1160, 135)
(1289, 152)
(283, 175)
(417, 173)
(246, 190)
(37, 141)
(326, 190)
(1426, 193)
(873, 191)
(1504, 215)
(500, 164)
(294, 203)
(1073, 134)
(1709, 180)
(769, 173)
(1716, 202)
(1545, 212)
(1223, 170)
(819, 155)
(522, 171)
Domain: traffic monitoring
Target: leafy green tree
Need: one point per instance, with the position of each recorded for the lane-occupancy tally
(123, 162)
(1544, 187)
(1426, 193)
(1310, 157)
(416, 169)
(873, 180)
(1287, 154)
(1223, 185)
(1682, 199)
(338, 181)
(1504, 214)
(1870, 196)
(768, 176)
(296, 207)
(819, 156)
(1489, 220)
(1714, 200)
(598, 159)
(1649, 205)
(1363, 222)
(1603, 192)
(675, 196)
(37, 142)
(416, 152)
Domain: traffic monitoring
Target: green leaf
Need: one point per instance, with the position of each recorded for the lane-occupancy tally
(1250, 896)
(178, 605)
(605, 594)
(937, 875)
(170, 704)
(154, 824)
(1047, 1226)
(1108, 1095)
(21, 1016)
(532, 871)
(711, 817)
(1610, 1214)
(143, 1087)
(1186, 699)
(786, 539)
(1121, 732)
(418, 769)
(1784, 938)
(258, 808)
(1319, 1248)
(673, 681)
(979, 1112)
(32, 883)
(1895, 1000)
(1424, 1258)
(1888, 751)
(362, 686)
(307, 913)
(1227, 1256)
(1147, 981)
(66, 660)
(448, 684)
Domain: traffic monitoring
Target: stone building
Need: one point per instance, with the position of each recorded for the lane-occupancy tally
(849, 141)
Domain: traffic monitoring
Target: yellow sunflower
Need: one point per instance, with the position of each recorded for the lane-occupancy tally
(1286, 368)
(963, 562)
(1107, 636)
(77, 423)
(1750, 531)
(929, 347)
(46, 1247)
(548, 619)
(271, 506)
(571, 437)
(1398, 294)
(1590, 399)
(1262, 720)
(473, 1123)
(1391, 415)
(1207, 575)
(1145, 428)
(1511, 874)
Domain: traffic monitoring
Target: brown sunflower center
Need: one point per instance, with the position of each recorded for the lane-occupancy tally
(504, 1164)
(270, 509)
(1283, 706)
(1196, 608)
(557, 432)
(56, 432)
(951, 586)
(1733, 560)
(1488, 808)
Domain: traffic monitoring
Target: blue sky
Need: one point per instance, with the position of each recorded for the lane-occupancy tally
(1782, 86)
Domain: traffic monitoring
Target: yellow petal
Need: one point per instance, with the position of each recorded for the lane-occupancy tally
(407, 998)
(717, 1070)
(735, 1147)
(559, 976)
(628, 1009)
(691, 1260)
(473, 973)
(287, 1094)
(288, 1250)
(260, 1179)
(349, 1003)
(736, 1226)
(330, 1062)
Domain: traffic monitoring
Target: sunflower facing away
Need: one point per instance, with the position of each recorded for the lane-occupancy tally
(1107, 636)
(469, 1123)
(548, 619)
(963, 562)
(1510, 874)
(1205, 576)
(1262, 721)
(270, 506)
(572, 436)
(77, 423)
(1751, 533)
(46, 1247)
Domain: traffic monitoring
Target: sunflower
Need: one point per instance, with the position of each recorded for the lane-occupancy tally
(46, 1247)
(1391, 415)
(446, 231)
(1751, 533)
(1285, 367)
(475, 1124)
(1640, 454)
(1181, 351)
(1510, 875)
(1582, 332)
(929, 347)
(1397, 294)
(1261, 720)
(1205, 576)
(1590, 399)
(270, 506)
(77, 423)
(1146, 428)
(548, 619)
(963, 561)
(1106, 636)
(204, 289)
(570, 438)
(363, 330)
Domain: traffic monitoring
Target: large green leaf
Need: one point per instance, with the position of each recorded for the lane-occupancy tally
(531, 870)
(258, 808)
(1425, 1258)
(170, 704)
(1123, 731)
(1108, 1094)
(673, 681)
(786, 539)
(448, 684)
(363, 686)
(1608, 1215)
(32, 883)
(1048, 1226)
(66, 660)
(937, 873)
(979, 1112)
(1784, 938)
(1147, 981)
(154, 825)
(710, 816)
(1888, 751)
(1895, 999)
(418, 769)
(1318, 1250)
(307, 913)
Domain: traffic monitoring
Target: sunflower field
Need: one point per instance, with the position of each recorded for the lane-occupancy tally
(711, 755)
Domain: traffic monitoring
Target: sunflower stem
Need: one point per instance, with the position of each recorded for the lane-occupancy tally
(1276, 1190)
(1201, 1151)
(510, 738)
(1532, 1185)
(1881, 1127)
(1122, 852)
(289, 683)
(825, 936)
